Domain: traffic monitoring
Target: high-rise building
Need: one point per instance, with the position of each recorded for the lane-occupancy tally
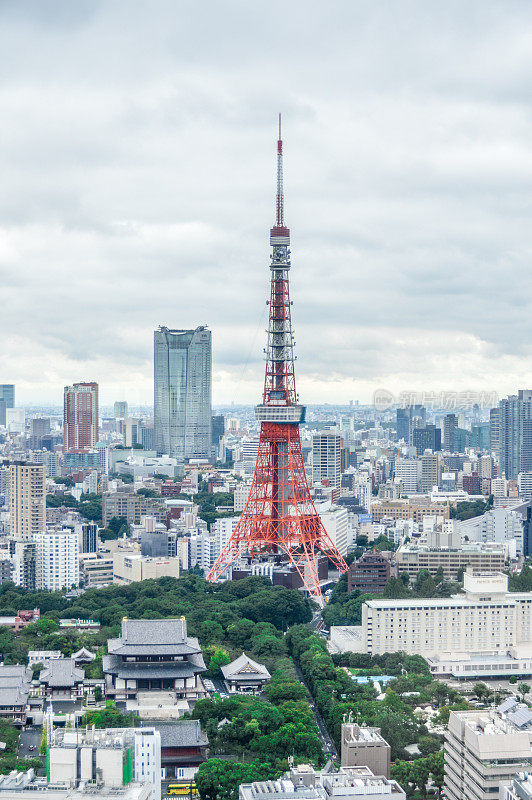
(515, 434)
(120, 409)
(430, 472)
(39, 427)
(480, 436)
(88, 537)
(218, 429)
(182, 393)
(57, 559)
(408, 471)
(450, 423)
(427, 437)
(27, 492)
(326, 458)
(24, 555)
(7, 394)
(80, 422)
(494, 430)
(409, 417)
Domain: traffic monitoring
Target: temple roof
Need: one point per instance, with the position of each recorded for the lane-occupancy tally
(245, 669)
(62, 672)
(153, 637)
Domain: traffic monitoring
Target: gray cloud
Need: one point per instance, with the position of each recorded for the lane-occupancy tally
(137, 156)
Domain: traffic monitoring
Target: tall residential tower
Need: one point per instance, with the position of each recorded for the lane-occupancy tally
(80, 422)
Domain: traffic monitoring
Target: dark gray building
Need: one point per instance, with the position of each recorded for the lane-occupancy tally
(404, 419)
(450, 424)
(182, 393)
(427, 438)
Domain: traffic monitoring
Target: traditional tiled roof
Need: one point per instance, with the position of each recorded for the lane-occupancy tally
(83, 655)
(153, 669)
(153, 636)
(245, 669)
(183, 733)
(62, 672)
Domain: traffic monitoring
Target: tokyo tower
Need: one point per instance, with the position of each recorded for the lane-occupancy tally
(280, 515)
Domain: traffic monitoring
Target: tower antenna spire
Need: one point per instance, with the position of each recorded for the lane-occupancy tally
(280, 191)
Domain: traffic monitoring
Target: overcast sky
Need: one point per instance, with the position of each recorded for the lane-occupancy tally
(137, 162)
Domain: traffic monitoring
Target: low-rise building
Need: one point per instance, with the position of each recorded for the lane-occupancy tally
(485, 748)
(303, 782)
(111, 757)
(485, 618)
(245, 676)
(466, 666)
(96, 570)
(481, 557)
(365, 747)
(15, 687)
(132, 567)
(42, 656)
(62, 680)
(370, 572)
(25, 786)
(183, 748)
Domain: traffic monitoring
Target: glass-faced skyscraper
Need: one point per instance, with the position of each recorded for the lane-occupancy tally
(182, 392)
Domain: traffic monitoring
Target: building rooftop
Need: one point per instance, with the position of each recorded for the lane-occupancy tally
(182, 733)
(61, 672)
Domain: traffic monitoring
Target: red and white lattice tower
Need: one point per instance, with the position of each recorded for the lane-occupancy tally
(280, 515)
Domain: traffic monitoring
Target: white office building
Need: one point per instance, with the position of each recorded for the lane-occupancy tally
(57, 559)
(408, 472)
(335, 522)
(223, 530)
(326, 459)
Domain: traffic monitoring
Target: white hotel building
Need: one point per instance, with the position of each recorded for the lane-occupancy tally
(486, 618)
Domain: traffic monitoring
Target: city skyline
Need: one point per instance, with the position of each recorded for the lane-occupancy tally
(137, 186)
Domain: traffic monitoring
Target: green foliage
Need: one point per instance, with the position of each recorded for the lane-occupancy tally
(109, 717)
(148, 492)
(218, 779)
(90, 506)
(10, 763)
(337, 695)
(252, 727)
(469, 509)
(412, 775)
(117, 527)
(522, 581)
(217, 657)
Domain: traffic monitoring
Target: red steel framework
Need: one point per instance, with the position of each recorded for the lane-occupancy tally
(280, 515)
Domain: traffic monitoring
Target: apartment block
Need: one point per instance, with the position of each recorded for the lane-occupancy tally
(132, 507)
(485, 748)
(27, 492)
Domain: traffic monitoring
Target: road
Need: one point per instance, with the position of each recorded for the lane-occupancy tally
(327, 742)
(31, 737)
